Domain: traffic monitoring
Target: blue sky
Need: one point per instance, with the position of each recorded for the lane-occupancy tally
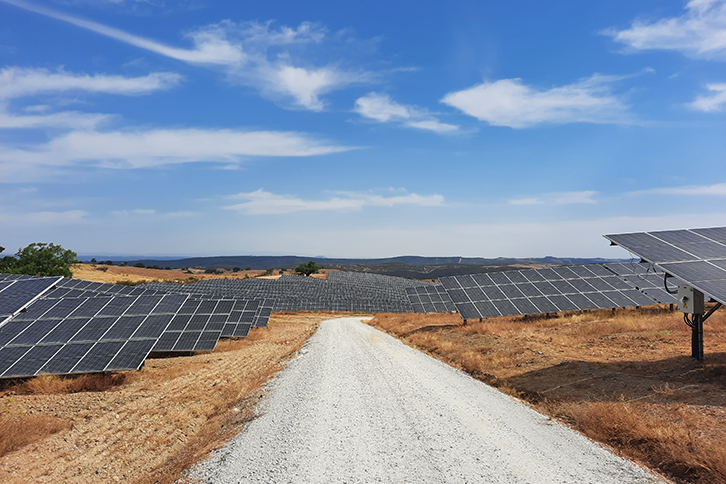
(376, 129)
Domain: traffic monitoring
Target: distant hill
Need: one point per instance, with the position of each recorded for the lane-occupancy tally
(403, 266)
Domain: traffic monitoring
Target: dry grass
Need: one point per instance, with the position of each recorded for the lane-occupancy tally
(18, 431)
(154, 423)
(624, 377)
(54, 384)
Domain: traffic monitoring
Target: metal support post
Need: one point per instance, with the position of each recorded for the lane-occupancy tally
(697, 337)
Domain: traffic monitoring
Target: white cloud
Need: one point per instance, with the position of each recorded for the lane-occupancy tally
(250, 53)
(509, 102)
(713, 103)
(17, 82)
(261, 202)
(63, 120)
(717, 189)
(150, 212)
(381, 108)
(558, 198)
(143, 149)
(433, 125)
(699, 32)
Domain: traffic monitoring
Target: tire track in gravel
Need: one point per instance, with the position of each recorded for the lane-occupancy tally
(360, 406)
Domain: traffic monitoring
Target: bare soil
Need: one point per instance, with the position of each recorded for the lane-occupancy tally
(623, 378)
(136, 275)
(150, 425)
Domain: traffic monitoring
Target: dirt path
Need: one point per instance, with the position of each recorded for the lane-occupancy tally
(360, 406)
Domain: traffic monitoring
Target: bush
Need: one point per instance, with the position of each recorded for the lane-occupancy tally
(235, 269)
(307, 268)
(140, 264)
(40, 259)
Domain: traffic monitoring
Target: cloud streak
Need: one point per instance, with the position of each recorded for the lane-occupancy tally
(699, 32)
(381, 108)
(17, 82)
(261, 202)
(558, 198)
(717, 190)
(208, 49)
(509, 102)
(153, 148)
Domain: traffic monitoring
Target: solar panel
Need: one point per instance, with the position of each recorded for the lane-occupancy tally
(82, 335)
(430, 299)
(537, 291)
(697, 256)
(199, 324)
(17, 293)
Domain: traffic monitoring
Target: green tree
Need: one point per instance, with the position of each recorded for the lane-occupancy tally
(40, 259)
(307, 268)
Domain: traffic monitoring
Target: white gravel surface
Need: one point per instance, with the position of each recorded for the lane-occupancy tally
(358, 405)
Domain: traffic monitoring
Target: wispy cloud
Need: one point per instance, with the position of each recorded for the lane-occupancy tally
(17, 82)
(381, 108)
(713, 103)
(509, 102)
(64, 120)
(250, 53)
(144, 149)
(717, 189)
(261, 202)
(699, 32)
(557, 198)
(150, 212)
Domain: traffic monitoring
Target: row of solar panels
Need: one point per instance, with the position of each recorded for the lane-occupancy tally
(349, 291)
(64, 326)
(557, 289)
(695, 257)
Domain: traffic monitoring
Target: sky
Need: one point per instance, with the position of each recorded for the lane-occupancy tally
(359, 129)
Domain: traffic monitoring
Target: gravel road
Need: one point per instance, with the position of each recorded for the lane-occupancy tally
(358, 405)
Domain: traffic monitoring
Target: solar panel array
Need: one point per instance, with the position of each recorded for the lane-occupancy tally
(697, 256)
(80, 335)
(63, 326)
(537, 291)
(431, 298)
(349, 291)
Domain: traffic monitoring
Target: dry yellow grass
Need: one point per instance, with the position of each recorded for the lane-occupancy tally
(624, 378)
(153, 424)
(136, 275)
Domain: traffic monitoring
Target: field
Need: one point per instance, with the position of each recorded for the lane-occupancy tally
(624, 378)
(136, 275)
(145, 426)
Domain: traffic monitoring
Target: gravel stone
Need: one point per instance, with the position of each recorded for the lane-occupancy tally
(359, 406)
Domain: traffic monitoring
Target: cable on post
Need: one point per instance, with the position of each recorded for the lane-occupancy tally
(665, 283)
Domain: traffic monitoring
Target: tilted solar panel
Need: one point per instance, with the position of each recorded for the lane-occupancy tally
(17, 293)
(537, 291)
(82, 335)
(697, 256)
(431, 298)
